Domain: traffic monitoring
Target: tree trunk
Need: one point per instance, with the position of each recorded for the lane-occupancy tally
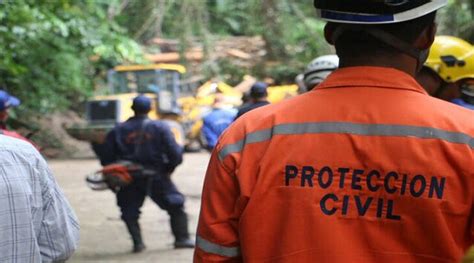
(273, 33)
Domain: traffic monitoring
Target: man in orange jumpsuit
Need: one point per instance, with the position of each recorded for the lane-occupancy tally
(367, 167)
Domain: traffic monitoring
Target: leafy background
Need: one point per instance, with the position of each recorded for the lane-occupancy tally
(54, 54)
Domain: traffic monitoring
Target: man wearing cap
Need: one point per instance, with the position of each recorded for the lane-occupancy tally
(151, 144)
(37, 222)
(258, 98)
(8, 101)
(366, 167)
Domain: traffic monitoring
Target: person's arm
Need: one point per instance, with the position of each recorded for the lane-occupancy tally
(109, 155)
(59, 233)
(173, 151)
(217, 234)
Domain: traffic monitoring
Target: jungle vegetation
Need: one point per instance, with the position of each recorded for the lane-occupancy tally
(55, 53)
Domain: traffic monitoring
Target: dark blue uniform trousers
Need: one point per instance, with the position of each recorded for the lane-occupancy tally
(163, 192)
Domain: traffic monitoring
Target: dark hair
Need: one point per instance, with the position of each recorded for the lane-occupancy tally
(259, 90)
(140, 111)
(358, 42)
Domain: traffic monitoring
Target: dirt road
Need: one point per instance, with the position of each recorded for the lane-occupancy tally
(103, 235)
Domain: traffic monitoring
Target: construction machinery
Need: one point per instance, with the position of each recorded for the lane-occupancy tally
(162, 83)
(180, 102)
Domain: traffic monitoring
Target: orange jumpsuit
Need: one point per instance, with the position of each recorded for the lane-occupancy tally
(365, 168)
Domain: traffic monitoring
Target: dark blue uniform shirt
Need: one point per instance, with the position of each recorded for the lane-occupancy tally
(158, 151)
(250, 106)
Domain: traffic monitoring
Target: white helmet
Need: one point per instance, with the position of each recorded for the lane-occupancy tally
(318, 69)
(375, 11)
(355, 15)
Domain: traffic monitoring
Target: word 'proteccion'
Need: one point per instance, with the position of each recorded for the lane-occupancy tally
(392, 182)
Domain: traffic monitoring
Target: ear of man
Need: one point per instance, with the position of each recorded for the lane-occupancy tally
(328, 32)
(426, 38)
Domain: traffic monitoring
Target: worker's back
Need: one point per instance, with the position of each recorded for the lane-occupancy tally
(365, 168)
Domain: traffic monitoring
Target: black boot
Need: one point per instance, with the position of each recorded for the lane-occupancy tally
(179, 227)
(134, 230)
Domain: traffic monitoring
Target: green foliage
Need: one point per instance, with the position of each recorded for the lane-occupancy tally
(48, 48)
(457, 19)
(291, 31)
(231, 73)
(54, 52)
(292, 34)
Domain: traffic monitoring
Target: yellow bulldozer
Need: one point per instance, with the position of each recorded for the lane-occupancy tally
(163, 83)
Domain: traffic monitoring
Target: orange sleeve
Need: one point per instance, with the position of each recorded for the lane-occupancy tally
(472, 204)
(217, 234)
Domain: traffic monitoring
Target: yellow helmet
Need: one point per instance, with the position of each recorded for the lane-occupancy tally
(451, 58)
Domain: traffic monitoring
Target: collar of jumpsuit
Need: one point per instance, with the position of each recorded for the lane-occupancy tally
(357, 170)
(387, 78)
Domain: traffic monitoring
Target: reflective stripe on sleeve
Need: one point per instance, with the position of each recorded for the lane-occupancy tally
(348, 128)
(217, 249)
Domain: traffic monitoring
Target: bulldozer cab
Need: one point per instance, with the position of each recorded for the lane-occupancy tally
(163, 80)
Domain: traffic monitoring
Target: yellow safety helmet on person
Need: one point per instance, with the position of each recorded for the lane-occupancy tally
(451, 58)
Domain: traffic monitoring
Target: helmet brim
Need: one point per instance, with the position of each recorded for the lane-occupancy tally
(362, 18)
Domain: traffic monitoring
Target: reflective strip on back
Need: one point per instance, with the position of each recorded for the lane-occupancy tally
(348, 128)
(217, 249)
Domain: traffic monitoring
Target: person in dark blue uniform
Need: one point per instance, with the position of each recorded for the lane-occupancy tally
(151, 144)
(258, 98)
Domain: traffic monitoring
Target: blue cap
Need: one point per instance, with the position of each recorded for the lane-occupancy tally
(7, 100)
(141, 104)
(258, 90)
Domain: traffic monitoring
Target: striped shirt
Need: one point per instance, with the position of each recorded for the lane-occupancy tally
(37, 224)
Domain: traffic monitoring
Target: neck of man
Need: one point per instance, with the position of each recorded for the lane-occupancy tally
(141, 115)
(260, 99)
(398, 61)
